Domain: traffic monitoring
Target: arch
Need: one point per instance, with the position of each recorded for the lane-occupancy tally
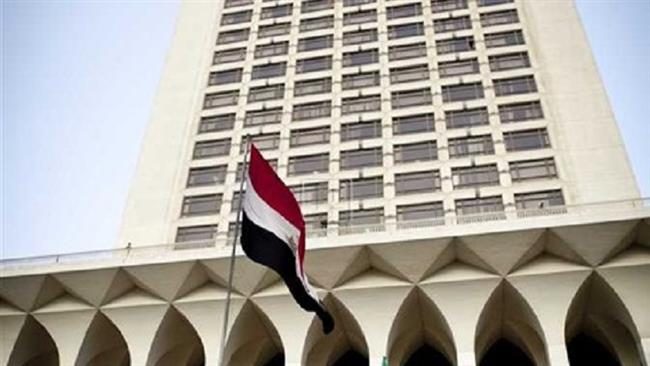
(598, 318)
(420, 334)
(508, 328)
(103, 345)
(176, 343)
(34, 346)
(346, 343)
(253, 340)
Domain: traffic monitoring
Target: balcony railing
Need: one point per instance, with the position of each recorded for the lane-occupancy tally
(640, 207)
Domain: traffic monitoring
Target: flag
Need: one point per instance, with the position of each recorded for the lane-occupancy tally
(273, 233)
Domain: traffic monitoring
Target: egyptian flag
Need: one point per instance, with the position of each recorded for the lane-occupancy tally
(273, 233)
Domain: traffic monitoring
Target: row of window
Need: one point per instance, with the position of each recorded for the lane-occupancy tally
(538, 200)
(369, 103)
(397, 75)
(405, 183)
(464, 118)
(450, 24)
(309, 6)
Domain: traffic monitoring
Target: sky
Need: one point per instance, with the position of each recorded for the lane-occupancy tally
(77, 83)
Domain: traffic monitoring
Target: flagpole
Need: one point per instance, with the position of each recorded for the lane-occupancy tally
(232, 255)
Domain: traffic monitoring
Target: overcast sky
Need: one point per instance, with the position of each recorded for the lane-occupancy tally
(78, 80)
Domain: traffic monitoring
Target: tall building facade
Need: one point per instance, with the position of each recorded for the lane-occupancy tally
(466, 190)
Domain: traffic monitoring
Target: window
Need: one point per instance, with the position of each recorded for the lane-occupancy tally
(271, 49)
(265, 141)
(273, 30)
(460, 44)
(307, 111)
(361, 130)
(312, 86)
(269, 70)
(366, 103)
(457, 68)
(409, 73)
(236, 201)
(223, 99)
(504, 39)
(240, 169)
(361, 188)
(206, 176)
(527, 139)
(492, 2)
(421, 211)
(315, 222)
(237, 17)
(211, 148)
(475, 176)
(227, 56)
(361, 217)
(308, 164)
(410, 98)
(418, 182)
(440, 6)
(419, 151)
(475, 206)
(539, 200)
(313, 64)
(499, 17)
(221, 122)
(315, 43)
(225, 77)
(356, 2)
(310, 192)
(310, 136)
(509, 61)
(518, 112)
(201, 205)
(467, 118)
(360, 17)
(309, 6)
(408, 51)
(263, 117)
(462, 92)
(360, 58)
(268, 92)
(360, 80)
(452, 24)
(405, 30)
(234, 3)
(471, 146)
(196, 233)
(326, 22)
(403, 11)
(362, 158)
(511, 86)
(532, 169)
(276, 11)
(414, 124)
(359, 37)
(238, 35)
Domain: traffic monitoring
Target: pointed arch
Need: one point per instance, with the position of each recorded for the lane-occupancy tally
(253, 340)
(34, 346)
(598, 319)
(420, 334)
(508, 328)
(346, 343)
(103, 345)
(176, 343)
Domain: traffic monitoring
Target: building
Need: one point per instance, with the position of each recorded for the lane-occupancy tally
(467, 192)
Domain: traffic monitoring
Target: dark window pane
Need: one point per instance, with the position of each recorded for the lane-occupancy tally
(518, 85)
(408, 51)
(367, 103)
(360, 130)
(409, 74)
(403, 11)
(457, 68)
(421, 211)
(467, 118)
(503, 39)
(527, 139)
(532, 169)
(405, 30)
(216, 123)
(361, 188)
(462, 92)
(313, 86)
(271, 49)
(360, 80)
(509, 61)
(196, 233)
(417, 182)
(410, 98)
(206, 176)
(439, 6)
(475, 176)
(517, 112)
(419, 151)
(314, 110)
(310, 136)
(268, 92)
(539, 200)
(452, 24)
(471, 146)
(211, 148)
(208, 204)
(269, 70)
(414, 124)
(362, 158)
(453, 45)
(308, 164)
(263, 117)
